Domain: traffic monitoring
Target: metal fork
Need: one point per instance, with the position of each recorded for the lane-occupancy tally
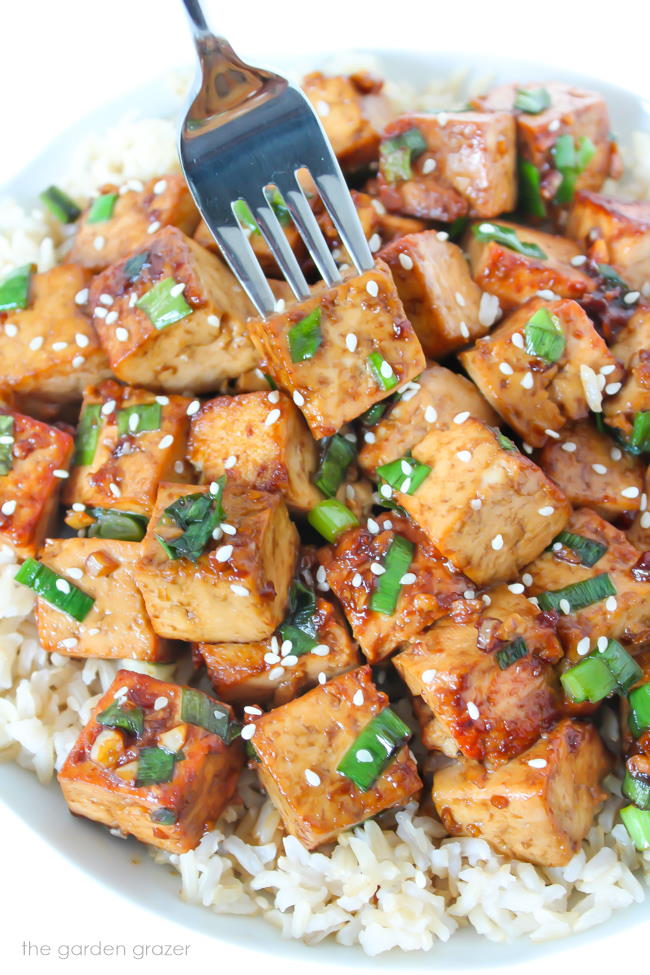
(246, 131)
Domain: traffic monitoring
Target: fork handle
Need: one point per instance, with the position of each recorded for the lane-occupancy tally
(196, 17)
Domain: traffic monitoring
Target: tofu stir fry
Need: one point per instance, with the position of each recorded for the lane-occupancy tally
(396, 536)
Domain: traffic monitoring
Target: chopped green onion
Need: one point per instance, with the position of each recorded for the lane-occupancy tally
(612, 277)
(640, 436)
(300, 624)
(6, 443)
(111, 523)
(166, 817)
(197, 515)
(545, 336)
(636, 788)
(141, 418)
(60, 205)
(405, 474)
(588, 680)
(532, 100)
(623, 668)
(373, 414)
(637, 823)
(270, 380)
(197, 708)
(87, 437)
(639, 702)
(588, 551)
(129, 719)
(374, 749)
(570, 162)
(388, 586)
(305, 337)
(505, 442)
(579, 594)
(155, 765)
(507, 237)
(397, 154)
(457, 227)
(531, 200)
(102, 208)
(331, 518)
(512, 652)
(339, 454)
(382, 371)
(133, 267)
(54, 589)
(161, 306)
(242, 211)
(14, 289)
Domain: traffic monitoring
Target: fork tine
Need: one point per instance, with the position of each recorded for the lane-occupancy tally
(307, 226)
(238, 253)
(278, 244)
(341, 208)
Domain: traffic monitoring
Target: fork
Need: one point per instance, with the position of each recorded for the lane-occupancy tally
(245, 132)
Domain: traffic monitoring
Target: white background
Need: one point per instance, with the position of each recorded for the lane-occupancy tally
(57, 61)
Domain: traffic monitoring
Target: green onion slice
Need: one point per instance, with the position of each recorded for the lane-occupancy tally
(101, 209)
(531, 200)
(305, 337)
(640, 436)
(457, 227)
(388, 586)
(164, 304)
(532, 100)
(636, 788)
(505, 442)
(405, 474)
(507, 237)
(397, 154)
(570, 161)
(197, 515)
(589, 680)
(545, 336)
(300, 625)
(129, 719)
(623, 668)
(87, 437)
(639, 702)
(166, 817)
(243, 213)
(588, 551)
(197, 708)
(60, 205)
(111, 523)
(6, 443)
(141, 418)
(373, 414)
(578, 594)
(155, 765)
(331, 518)
(339, 454)
(14, 289)
(133, 267)
(374, 749)
(270, 380)
(54, 589)
(637, 823)
(512, 652)
(382, 371)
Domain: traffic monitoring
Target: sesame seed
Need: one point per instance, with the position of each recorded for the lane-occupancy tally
(230, 462)
(356, 580)
(373, 527)
(599, 468)
(372, 288)
(160, 186)
(579, 259)
(276, 673)
(608, 369)
(377, 569)
(81, 297)
(516, 588)
(386, 491)
(431, 414)
(612, 388)
(60, 473)
(460, 301)
(75, 573)
(537, 763)
(166, 441)
(463, 329)
(133, 299)
(565, 606)
(616, 453)
(177, 289)
(153, 227)
(527, 381)
(63, 586)
(517, 340)
(248, 731)
(358, 698)
(469, 594)
(98, 243)
(321, 650)
(552, 434)
(569, 446)
(274, 396)
(473, 711)
(59, 346)
(601, 643)
(408, 579)
(105, 299)
(546, 511)
(497, 542)
(271, 658)
(464, 455)
(121, 334)
(69, 642)
(193, 408)
(645, 520)
(527, 579)
(224, 553)
(363, 755)
(351, 341)
(239, 590)
(476, 504)
(8, 507)
(312, 777)
(386, 369)
(643, 503)
(583, 646)
(406, 485)
(298, 398)
(611, 604)
(486, 228)
(108, 407)
(11, 330)
(527, 448)
(428, 166)
(271, 418)
(630, 492)
(442, 235)
(214, 320)
(78, 506)
(280, 305)
(428, 676)
(322, 108)
(406, 261)
(369, 436)
(81, 340)
(115, 491)
(228, 529)
(322, 678)
(160, 703)
(36, 343)
(506, 369)
(631, 297)
(461, 417)
(251, 709)
(111, 318)
(374, 243)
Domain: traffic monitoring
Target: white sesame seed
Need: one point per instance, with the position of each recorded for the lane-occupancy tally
(106, 299)
(363, 755)
(228, 529)
(565, 606)
(356, 580)
(489, 309)
(98, 243)
(114, 489)
(214, 320)
(239, 590)
(111, 318)
(59, 346)
(160, 703)
(11, 330)
(121, 334)
(546, 511)
(569, 446)
(358, 698)
(177, 289)
(552, 434)
(460, 301)
(537, 763)
(321, 650)
(60, 473)
(377, 569)
(374, 243)
(497, 542)
(631, 297)
(386, 491)
(166, 441)
(372, 288)
(612, 388)
(406, 485)
(248, 731)
(645, 520)
(469, 594)
(312, 777)
(463, 329)
(271, 658)
(286, 648)
(386, 369)
(602, 643)
(611, 604)
(579, 259)
(643, 503)
(473, 711)
(408, 579)
(274, 396)
(616, 453)
(431, 414)
(193, 408)
(476, 504)
(527, 381)
(81, 340)
(290, 660)
(322, 108)
(160, 186)
(153, 227)
(608, 369)
(591, 388)
(133, 299)
(527, 448)
(8, 507)
(351, 341)
(271, 418)
(486, 228)
(442, 235)
(63, 586)
(36, 343)
(224, 553)
(464, 455)
(75, 573)
(406, 261)
(369, 436)
(78, 506)
(251, 709)
(428, 166)
(505, 368)
(517, 340)
(527, 579)
(373, 527)
(583, 646)
(69, 642)
(298, 398)
(599, 468)
(81, 297)
(630, 492)
(229, 462)
(280, 305)
(516, 588)
(461, 417)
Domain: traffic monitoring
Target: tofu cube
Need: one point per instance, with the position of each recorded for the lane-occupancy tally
(357, 321)
(262, 441)
(464, 165)
(129, 463)
(34, 459)
(165, 784)
(639, 531)
(592, 471)
(205, 342)
(633, 349)
(484, 708)
(623, 616)
(623, 226)
(535, 395)
(484, 505)
(135, 215)
(300, 746)
(440, 299)
(50, 351)
(514, 277)
(540, 806)
(351, 565)
(237, 590)
(117, 626)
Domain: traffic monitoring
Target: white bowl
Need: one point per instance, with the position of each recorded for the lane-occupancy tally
(109, 859)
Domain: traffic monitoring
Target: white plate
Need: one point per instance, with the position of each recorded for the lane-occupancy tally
(110, 859)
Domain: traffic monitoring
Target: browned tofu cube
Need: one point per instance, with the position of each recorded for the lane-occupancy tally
(484, 505)
(121, 221)
(486, 674)
(592, 471)
(639, 532)
(117, 626)
(34, 459)
(633, 349)
(448, 165)
(538, 393)
(262, 441)
(515, 277)
(623, 226)
(236, 590)
(540, 806)
(300, 747)
(354, 568)
(440, 299)
(172, 317)
(353, 337)
(612, 598)
(129, 440)
(156, 761)
(49, 350)
(432, 401)
(353, 111)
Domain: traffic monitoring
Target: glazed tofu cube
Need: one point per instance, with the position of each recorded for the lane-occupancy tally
(622, 226)
(353, 111)
(121, 221)
(167, 777)
(49, 350)
(540, 806)
(352, 567)
(117, 626)
(536, 394)
(592, 471)
(129, 440)
(203, 236)
(262, 441)
(34, 459)
(429, 403)
(449, 165)
(639, 532)
(192, 339)
(633, 349)
(515, 277)
(484, 505)
(617, 605)
(359, 340)
(300, 746)
(440, 299)
(237, 589)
